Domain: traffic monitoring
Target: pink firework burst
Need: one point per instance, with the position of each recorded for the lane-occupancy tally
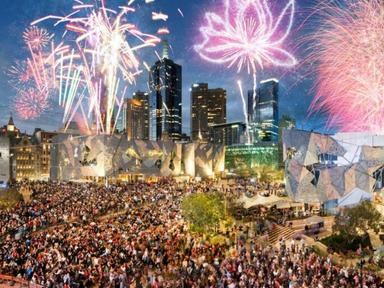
(247, 35)
(350, 56)
(20, 73)
(30, 103)
(36, 38)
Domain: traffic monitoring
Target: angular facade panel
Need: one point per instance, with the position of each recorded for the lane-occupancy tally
(322, 167)
(75, 158)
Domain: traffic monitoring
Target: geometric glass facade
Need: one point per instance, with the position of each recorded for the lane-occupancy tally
(248, 157)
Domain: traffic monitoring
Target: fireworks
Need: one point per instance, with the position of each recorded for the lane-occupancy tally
(163, 31)
(247, 36)
(34, 77)
(30, 103)
(159, 16)
(94, 72)
(36, 38)
(20, 73)
(350, 55)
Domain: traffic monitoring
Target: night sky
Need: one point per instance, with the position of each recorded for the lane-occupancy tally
(296, 85)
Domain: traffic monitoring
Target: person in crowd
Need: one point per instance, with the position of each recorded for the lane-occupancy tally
(85, 235)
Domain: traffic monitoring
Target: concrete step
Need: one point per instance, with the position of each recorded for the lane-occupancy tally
(279, 232)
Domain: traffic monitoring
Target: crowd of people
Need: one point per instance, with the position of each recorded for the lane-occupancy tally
(85, 235)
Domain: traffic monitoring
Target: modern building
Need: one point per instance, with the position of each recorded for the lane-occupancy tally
(134, 119)
(114, 156)
(263, 111)
(165, 105)
(228, 134)
(322, 168)
(4, 161)
(143, 97)
(244, 160)
(208, 107)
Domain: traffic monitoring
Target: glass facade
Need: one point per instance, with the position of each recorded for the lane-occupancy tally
(263, 111)
(247, 157)
(208, 107)
(165, 103)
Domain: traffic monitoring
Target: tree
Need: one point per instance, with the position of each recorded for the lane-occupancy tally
(268, 174)
(356, 221)
(204, 211)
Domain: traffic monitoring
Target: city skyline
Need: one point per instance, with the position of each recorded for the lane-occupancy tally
(293, 90)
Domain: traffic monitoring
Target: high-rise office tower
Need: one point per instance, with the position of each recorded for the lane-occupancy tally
(143, 97)
(251, 106)
(208, 107)
(266, 113)
(228, 133)
(199, 114)
(165, 99)
(135, 118)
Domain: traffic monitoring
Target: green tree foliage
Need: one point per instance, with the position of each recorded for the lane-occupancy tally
(268, 174)
(203, 211)
(356, 221)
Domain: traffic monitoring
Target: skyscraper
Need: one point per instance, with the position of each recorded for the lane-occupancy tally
(228, 133)
(208, 107)
(199, 114)
(165, 99)
(266, 112)
(136, 116)
(143, 97)
(250, 106)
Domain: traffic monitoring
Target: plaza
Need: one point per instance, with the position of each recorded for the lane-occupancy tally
(192, 144)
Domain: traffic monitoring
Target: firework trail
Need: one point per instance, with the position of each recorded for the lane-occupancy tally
(30, 103)
(350, 57)
(93, 72)
(247, 36)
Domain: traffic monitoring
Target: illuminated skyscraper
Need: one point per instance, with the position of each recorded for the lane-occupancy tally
(208, 107)
(199, 114)
(143, 97)
(134, 119)
(264, 114)
(228, 133)
(165, 99)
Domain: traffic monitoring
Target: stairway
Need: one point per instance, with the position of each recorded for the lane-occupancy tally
(279, 232)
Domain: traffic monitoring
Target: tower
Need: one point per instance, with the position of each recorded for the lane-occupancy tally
(266, 113)
(165, 81)
(208, 107)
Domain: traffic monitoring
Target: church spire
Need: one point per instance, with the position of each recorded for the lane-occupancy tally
(10, 122)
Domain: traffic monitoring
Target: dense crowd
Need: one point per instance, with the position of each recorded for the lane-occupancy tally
(83, 235)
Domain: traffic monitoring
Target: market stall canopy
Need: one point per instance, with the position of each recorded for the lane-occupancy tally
(266, 201)
(354, 198)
